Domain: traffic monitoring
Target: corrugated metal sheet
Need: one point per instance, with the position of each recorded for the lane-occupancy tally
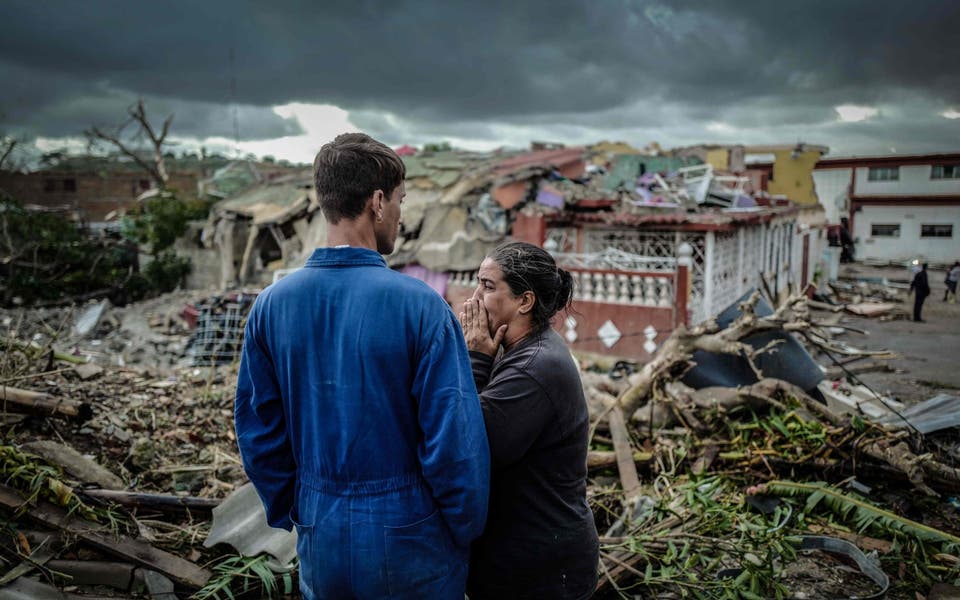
(241, 522)
(273, 201)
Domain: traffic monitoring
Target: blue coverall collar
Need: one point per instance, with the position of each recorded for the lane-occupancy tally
(325, 257)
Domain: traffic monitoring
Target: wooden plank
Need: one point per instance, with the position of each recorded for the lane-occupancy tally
(77, 465)
(624, 450)
(177, 569)
(601, 459)
(154, 501)
(42, 404)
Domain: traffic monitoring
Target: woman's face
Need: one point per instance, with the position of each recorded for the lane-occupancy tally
(503, 307)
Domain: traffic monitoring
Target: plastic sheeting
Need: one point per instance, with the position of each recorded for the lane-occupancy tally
(789, 361)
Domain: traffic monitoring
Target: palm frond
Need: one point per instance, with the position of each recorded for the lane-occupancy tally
(864, 514)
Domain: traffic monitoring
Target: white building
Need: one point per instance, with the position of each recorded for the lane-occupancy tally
(900, 207)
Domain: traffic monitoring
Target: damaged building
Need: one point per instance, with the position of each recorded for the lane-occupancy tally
(653, 241)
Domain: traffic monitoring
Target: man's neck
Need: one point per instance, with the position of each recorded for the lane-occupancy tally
(356, 234)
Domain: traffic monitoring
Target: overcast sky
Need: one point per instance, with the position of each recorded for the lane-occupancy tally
(282, 78)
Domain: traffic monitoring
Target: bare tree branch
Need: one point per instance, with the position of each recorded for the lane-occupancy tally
(138, 114)
(10, 143)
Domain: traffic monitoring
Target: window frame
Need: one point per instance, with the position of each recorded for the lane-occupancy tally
(953, 167)
(873, 230)
(936, 236)
(873, 173)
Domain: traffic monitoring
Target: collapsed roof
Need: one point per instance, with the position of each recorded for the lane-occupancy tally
(460, 204)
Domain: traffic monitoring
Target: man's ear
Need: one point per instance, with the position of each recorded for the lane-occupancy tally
(376, 203)
(527, 300)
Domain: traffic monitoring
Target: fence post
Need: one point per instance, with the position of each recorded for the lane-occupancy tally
(682, 290)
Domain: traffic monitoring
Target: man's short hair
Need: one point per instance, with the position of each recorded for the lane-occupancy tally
(349, 169)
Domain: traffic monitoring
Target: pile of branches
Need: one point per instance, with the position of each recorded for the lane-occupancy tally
(734, 478)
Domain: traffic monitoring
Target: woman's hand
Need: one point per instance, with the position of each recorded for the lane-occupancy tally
(476, 328)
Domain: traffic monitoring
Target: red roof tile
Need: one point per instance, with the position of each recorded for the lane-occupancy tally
(559, 158)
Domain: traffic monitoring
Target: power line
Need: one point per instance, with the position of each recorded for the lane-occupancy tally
(233, 102)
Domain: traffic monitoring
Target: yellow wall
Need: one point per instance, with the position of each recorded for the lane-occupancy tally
(793, 177)
(719, 159)
(604, 151)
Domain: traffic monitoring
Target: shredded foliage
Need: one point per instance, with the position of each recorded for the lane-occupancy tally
(697, 536)
(236, 574)
(29, 475)
(864, 514)
(698, 528)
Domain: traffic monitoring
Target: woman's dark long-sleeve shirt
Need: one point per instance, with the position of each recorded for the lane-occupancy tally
(540, 540)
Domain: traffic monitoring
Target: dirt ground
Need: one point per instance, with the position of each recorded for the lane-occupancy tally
(928, 361)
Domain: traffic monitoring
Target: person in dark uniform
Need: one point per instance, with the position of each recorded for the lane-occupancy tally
(920, 286)
(540, 540)
(847, 245)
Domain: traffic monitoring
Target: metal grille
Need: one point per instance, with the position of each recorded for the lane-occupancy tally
(650, 244)
(659, 248)
(752, 257)
(561, 240)
(614, 259)
(698, 242)
(218, 338)
(726, 254)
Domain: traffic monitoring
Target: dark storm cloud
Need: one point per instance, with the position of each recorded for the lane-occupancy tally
(41, 103)
(572, 65)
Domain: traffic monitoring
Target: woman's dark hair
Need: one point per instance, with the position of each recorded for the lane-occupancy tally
(529, 268)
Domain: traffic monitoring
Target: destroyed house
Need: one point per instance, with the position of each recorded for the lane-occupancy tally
(657, 243)
(643, 261)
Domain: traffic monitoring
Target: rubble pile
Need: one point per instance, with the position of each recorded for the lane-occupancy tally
(124, 435)
(785, 484)
(151, 334)
(714, 491)
(868, 297)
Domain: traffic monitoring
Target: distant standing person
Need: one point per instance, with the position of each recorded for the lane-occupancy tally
(920, 286)
(356, 412)
(953, 276)
(540, 540)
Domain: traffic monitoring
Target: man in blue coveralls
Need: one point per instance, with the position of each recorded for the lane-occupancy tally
(356, 412)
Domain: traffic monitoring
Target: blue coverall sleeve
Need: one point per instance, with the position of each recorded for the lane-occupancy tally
(454, 454)
(262, 431)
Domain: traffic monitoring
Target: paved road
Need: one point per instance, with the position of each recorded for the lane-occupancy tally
(929, 361)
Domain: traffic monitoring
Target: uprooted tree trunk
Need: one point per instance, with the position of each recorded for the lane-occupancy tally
(673, 358)
(656, 399)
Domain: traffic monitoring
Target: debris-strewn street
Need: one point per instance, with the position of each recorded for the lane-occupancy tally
(118, 464)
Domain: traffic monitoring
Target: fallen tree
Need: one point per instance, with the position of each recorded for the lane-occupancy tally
(768, 431)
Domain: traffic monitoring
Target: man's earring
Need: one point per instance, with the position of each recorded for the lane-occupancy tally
(379, 216)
